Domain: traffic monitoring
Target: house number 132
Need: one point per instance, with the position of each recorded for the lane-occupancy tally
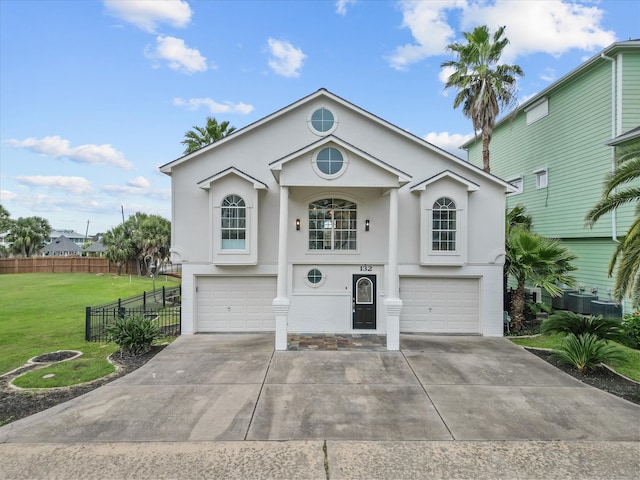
(366, 268)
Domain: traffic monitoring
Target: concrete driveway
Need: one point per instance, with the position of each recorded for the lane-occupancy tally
(361, 407)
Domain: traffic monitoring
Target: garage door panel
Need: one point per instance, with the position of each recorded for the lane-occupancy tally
(439, 305)
(235, 304)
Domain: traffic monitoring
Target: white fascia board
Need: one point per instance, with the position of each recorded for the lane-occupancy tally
(206, 183)
(471, 186)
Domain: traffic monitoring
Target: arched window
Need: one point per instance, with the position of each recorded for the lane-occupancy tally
(332, 224)
(443, 231)
(234, 223)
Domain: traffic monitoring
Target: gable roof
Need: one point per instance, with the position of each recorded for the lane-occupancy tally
(324, 93)
(276, 166)
(257, 184)
(471, 186)
(611, 49)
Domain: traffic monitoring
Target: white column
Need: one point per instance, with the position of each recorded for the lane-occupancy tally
(281, 302)
(393, 303)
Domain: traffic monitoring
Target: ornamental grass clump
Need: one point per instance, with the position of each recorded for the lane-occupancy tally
(570, 322)
(134, 334)
(586, 351)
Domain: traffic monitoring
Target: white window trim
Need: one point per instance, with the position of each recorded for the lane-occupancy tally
(335, 120)
(541, 173)
(320, 173)
(315, 285)
(537, 111)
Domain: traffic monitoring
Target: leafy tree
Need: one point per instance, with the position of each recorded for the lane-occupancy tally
(202, 136)
(484, 86)
(5, 220)
(28, 235)
(538, 261)
(620, 188)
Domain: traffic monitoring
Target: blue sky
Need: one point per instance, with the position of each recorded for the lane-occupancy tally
(95, 95)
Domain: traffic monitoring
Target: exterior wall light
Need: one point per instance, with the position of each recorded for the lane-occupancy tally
(366, 225)
(297, 224)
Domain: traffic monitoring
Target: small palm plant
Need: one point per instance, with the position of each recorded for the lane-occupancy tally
(133, 334)
(586, 351)
(576, 324)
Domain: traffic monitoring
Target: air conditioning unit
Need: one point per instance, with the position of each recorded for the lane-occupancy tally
(535, 293)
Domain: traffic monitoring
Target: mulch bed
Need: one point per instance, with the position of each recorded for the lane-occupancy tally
(601, 378)
(16, 404)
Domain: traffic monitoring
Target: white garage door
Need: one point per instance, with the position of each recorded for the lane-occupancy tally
(439, 305)
(235, 304)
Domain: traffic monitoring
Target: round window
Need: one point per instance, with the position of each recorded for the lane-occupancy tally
(315, 277)
(322, 120)
(329, 161)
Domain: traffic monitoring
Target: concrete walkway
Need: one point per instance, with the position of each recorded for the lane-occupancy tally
(228, 406)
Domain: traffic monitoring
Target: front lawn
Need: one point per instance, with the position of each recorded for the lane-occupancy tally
(42, 313)
(629, 367)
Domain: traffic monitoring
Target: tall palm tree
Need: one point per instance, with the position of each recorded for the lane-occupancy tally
(620, 188)
(202, 136)
(484, 87)
(119, 246)
(541, 262)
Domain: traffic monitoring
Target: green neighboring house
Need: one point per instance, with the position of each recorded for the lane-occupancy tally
(559, 145)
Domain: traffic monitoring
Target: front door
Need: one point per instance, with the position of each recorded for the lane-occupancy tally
(364, 302)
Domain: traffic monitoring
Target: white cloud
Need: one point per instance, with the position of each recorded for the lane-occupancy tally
(285, 60)
(73, 185)
(148, 14)
(57, 147)
(450, 142)
(139, 182)
(341, 6)
(429, 28)
(552, 26)
(180, 57)
(7, 196)
(213, 106)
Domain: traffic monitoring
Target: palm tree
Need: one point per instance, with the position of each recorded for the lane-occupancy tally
(617, 192)
(28, 235)
(515, 218)
(484, 87)
(202, 136)
(119, 246)
(541, 262)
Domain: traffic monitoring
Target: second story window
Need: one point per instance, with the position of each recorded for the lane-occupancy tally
(332, 224)
(234, 223)
(443, 232)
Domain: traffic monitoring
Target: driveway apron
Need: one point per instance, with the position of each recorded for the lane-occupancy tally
(234, 387)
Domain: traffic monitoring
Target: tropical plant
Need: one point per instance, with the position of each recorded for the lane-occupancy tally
(119, 246)
(620, 189)
(133, 334)
(202, 136)
(569, 322)
(539, 261)
(586, 351)
(484, 86)
(28, 235)
(631, 327)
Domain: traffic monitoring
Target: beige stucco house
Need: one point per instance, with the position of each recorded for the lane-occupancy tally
(323, 217)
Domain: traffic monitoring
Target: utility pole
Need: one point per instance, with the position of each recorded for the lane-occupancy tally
(122, 207)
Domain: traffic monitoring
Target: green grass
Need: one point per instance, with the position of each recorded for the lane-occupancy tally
(42, 313)
(629, 366)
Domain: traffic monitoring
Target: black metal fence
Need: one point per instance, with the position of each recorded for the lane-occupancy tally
(161, 306)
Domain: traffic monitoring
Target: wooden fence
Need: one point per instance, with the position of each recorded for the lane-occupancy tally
(70, 264)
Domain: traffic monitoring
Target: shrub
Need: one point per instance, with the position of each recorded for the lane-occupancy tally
(586, 351)
(631, 327)
(570, 322)
(134, 334)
